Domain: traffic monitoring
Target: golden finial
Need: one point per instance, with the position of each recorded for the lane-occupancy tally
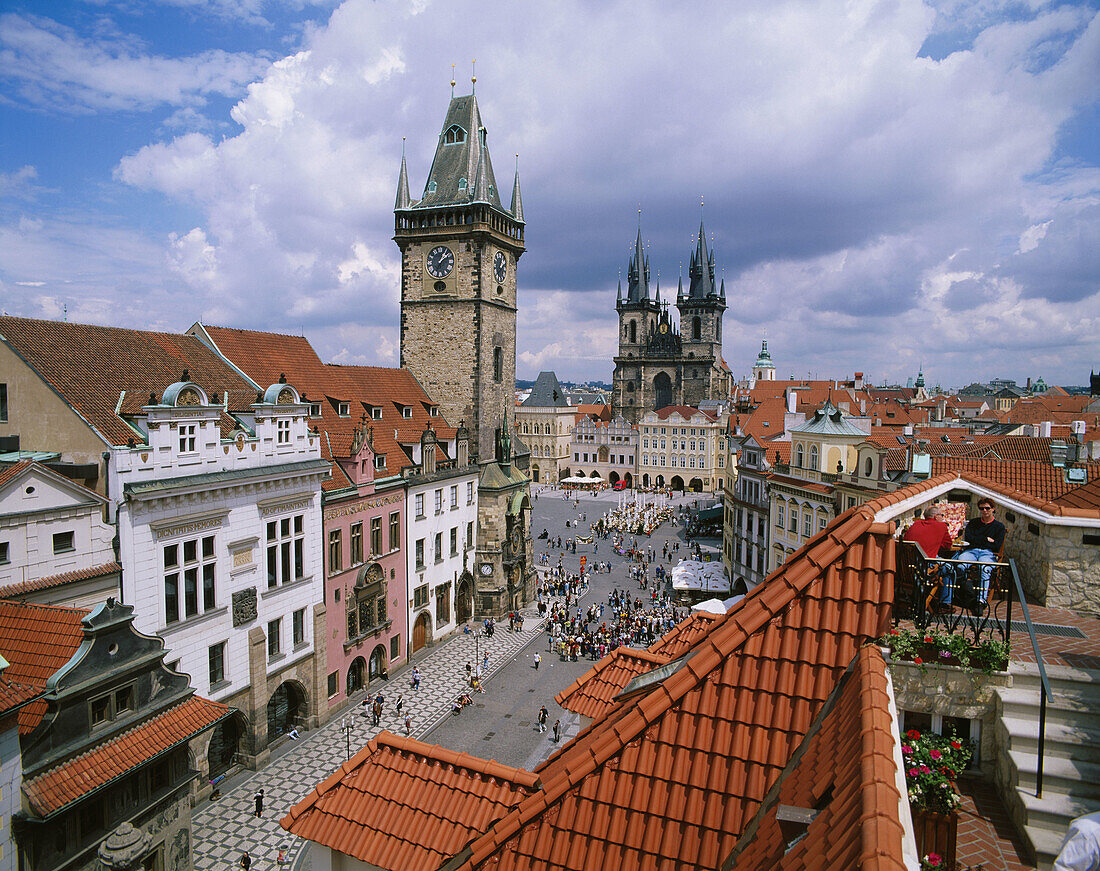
(473, 75)
(452, 81)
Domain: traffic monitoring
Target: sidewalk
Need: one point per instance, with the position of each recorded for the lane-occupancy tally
(223, 829)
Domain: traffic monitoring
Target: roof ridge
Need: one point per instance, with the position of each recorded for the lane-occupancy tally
(578, 760)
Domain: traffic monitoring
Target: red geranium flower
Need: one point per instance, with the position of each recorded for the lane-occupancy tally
(912, 734)
(917, 660)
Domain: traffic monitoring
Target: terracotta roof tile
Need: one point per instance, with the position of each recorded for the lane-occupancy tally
(10, 471)
(1040, 481)
(15, 695)
(400, 803)
(91, 365)
(60, 786)
(12, 591)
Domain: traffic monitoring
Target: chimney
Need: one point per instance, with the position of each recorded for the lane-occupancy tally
(907, 429)
(1078, 429)
(941, 409)
(1044, 429)
(792, 401)
(859, 381)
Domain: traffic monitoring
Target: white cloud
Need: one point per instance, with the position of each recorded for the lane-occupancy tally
(50, 65)
(871, 207)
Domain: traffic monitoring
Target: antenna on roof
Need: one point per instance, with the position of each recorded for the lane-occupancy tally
(452, 86)
(473, 76)
(65, 312)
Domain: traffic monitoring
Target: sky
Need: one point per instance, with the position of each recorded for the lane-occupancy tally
(888, 186)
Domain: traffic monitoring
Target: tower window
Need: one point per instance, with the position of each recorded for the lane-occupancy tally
(498, 363)
(633, 331)
(454, 135)
(462, 184)
(696, 328)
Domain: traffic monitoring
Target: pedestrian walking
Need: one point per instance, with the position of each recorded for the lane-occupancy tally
(485, 662)
(408, 724)
(538, 661)
(416, 677)
(258, 800)
(543, 714)
(469, 669)
(245, 861)
(400, 703)
(557, 731)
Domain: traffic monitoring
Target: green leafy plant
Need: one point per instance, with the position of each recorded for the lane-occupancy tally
(934, 646)
(932, 765)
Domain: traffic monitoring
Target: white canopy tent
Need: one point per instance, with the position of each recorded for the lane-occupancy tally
(717, 606)
(691, 576)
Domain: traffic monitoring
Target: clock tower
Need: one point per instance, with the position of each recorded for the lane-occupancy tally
(460, 248)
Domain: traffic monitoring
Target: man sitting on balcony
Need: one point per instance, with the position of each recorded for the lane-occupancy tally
(930, 533)
(984, 537)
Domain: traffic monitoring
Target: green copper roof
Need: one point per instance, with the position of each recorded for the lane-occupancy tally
(828, 420)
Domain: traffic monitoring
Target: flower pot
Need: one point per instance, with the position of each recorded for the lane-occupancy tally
(936, 833)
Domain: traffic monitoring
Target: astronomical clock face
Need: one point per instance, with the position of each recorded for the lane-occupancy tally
(441, 260)
(486, 569)
(500, 267)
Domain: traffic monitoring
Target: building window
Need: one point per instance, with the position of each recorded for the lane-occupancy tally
(813, 456)
(356, 543)
(454, 496)
(286, 550)
(274, 641)
(469, 492)
(187, 438)
(63, 542)
(798, 456)
(454, 541)
(335, 555)
(807, 523)
(282, 432)
(821, 521)
(376, 536)
(216, 660)
(420, 553)
(420, 596)
(380, 462)
(3, 402)
(439, 501)
(395, 530)
(315, 409)
(779, 516)
(418, 501)
(498, 364)
(333, 684)
(443, 603)
(4, 556)
(343, 409)
(439, 547)
(102, 709)
(193, 563)
(299, 627)
(376, 412)
(793, 526)
(470, 534)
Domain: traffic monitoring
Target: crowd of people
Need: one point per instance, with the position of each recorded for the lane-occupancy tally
(595, 631)
(637, 517)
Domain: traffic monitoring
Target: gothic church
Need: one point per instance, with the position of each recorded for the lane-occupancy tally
(660, 363)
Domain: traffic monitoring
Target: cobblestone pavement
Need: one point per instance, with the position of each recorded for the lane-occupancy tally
(223, 828)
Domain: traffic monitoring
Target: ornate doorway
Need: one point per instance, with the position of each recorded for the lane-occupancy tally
(422, 631)
(377, 663)
(357, 673)
(464, 599)
(286, 707)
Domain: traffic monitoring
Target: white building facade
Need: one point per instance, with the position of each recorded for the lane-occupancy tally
(683, 448)
(220, 537)
(605, 449)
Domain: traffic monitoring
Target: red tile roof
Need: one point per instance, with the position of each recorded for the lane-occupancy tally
(400, 803)
(14, 695)
(263, 355)
(1040, 481)
(21, 588)
(75, 778)
(685, 411)
(37, 641)
(846, 766)
(14, 470)
(89, 366)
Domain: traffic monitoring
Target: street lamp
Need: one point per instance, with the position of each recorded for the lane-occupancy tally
(347, 723)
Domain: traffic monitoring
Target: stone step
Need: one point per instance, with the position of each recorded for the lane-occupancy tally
(1045, 844)
(1061, 776)
(1062, 679)
(1066, 740)
(1053, 813)
(1063, 708)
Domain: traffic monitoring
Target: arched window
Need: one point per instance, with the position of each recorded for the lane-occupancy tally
(696, 328)
(498, 363)
(462, 184)
(813, 456)
(868, 468)
(454, 135)
(798, 456)
(633, 331)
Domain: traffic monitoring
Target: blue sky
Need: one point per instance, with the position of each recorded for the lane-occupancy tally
(886, 183)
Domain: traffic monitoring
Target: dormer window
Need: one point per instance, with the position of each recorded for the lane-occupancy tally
(406, 412)
(343, 409)
(433, 411)
(462, 184)
(454, 135)
(431, 187)
(282, 432)
(379, 461)
(376, 412)
(315, 409)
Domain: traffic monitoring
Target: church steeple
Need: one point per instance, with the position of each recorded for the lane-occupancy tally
(403, 199)
(637, 273)
(517, 202)
(701, 270)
